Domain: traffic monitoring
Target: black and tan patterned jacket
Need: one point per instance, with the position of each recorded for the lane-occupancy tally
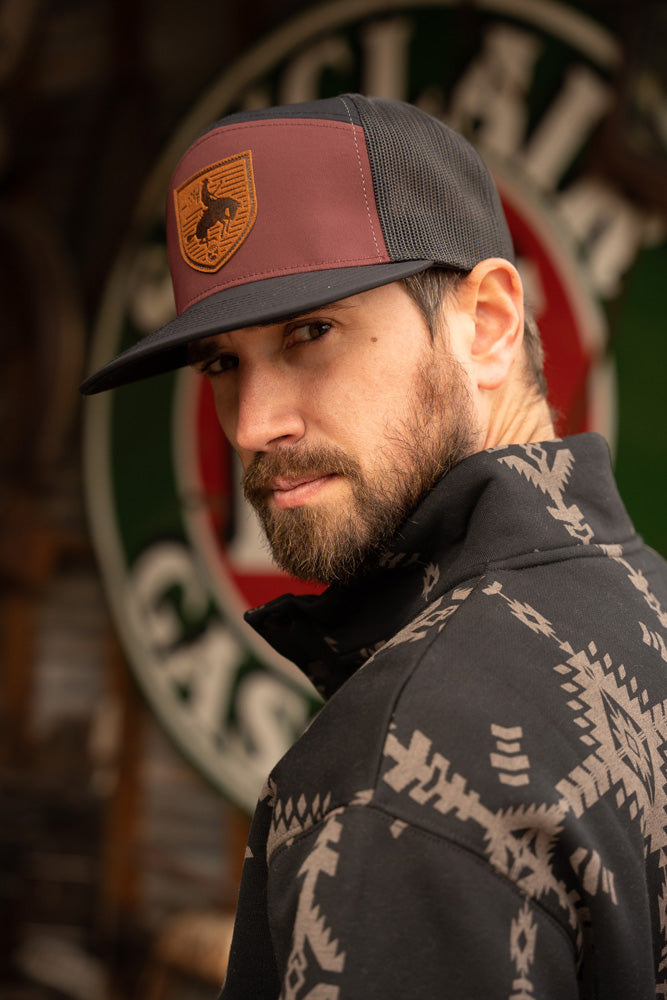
(478, 811)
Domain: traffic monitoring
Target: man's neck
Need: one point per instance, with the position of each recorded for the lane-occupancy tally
(519, 418)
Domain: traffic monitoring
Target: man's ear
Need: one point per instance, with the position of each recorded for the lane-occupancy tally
(495, 299)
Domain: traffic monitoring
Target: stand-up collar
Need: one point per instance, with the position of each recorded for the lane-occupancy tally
(515, 504)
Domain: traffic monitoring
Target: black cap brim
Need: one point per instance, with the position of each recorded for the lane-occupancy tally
(234, 308)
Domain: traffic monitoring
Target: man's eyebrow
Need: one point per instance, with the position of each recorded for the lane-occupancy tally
(201, 350)
(207, 347)
(303, 313)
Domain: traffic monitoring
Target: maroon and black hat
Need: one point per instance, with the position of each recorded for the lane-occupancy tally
(281, 210)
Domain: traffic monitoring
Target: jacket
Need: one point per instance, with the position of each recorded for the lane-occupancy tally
(478, 810)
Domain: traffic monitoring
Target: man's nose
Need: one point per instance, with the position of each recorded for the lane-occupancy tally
(269, 409)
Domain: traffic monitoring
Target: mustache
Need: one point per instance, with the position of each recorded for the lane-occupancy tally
(292, 462)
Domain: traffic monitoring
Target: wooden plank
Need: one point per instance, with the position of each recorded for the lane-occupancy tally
(121, 869)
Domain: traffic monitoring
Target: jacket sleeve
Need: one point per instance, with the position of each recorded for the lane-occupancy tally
(376, 908)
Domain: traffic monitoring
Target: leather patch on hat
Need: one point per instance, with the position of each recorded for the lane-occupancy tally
(215, 211)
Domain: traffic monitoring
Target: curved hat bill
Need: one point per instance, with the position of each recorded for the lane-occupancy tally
(255, 304)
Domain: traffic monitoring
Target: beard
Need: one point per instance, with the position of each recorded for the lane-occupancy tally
(332, 543)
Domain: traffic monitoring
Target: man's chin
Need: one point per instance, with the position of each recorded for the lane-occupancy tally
(314, 543)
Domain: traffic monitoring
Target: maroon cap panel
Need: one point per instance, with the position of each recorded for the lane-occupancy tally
(262, 199)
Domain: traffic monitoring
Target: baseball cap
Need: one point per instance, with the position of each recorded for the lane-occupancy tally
(277, 211)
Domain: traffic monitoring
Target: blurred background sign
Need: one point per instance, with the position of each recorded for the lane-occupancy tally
(535, 87)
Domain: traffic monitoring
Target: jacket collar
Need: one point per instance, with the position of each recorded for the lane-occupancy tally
(504, 506)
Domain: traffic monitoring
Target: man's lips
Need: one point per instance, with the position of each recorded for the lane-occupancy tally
(294, 491)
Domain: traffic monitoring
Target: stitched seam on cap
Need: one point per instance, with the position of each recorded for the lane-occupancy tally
(242, 126)
(276, 272)
(363, 179)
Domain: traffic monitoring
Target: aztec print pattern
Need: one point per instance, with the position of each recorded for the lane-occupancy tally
(551, 823)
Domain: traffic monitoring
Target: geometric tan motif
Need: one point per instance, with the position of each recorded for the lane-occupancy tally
(640, 583)
(518, 842)
(511, 764)
(654, 641)
(397, 828)
(416, 630)
(630, 743)
(634, 742)
(628, 740)
(552, 480)
(433, 616)
(616, 721)
(594, 876)
(290, 818)
(311, 935)
(431, 577)
(523, 934)
(662, 908)
(524, 612)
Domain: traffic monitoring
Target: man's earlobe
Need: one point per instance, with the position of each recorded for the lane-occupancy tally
(499, 317)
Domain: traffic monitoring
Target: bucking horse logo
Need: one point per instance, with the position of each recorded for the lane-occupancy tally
(215, 211)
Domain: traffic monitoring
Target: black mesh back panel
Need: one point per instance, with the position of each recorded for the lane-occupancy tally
(434, 196)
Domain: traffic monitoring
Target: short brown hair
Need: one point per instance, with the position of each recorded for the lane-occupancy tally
(430, 288)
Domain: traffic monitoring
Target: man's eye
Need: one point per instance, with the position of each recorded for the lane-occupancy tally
(303, 332)
(219, 365)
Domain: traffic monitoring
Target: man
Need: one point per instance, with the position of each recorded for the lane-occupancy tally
(479, 808)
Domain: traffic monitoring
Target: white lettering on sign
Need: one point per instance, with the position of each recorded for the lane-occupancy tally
(491, 97)
(202, 667)
(564, 129)
(386, 58)
(492, 93)
(158, 570)
(385, 46)
(150, 292)
(610, 230)
(165, 592)
(301, 78)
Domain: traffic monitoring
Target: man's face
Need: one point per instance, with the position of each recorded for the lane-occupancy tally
(344, 418)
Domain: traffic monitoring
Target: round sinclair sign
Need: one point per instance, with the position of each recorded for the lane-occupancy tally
(182, 556)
